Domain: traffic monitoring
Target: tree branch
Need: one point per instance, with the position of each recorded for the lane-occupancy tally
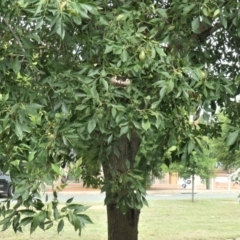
(14, 34)
(208, 32)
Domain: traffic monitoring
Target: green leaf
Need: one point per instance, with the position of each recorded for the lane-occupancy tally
(114, 112)
(93, 72)
(155, 104)
(91, 126)
(18, 130)
(26, 221)
(103, 21)
(56, 213)
(39, 24)
(190, 146)
(5, 220)
(78, 162)
(34, 106)
(166, 74)
(185, 94)
(136, 124)
(153, 53)
(146, 124)
(124, 130)
(83, 13)
(185, 156)
(141, 29)
(160, 51)
(108, 49)
(59, 28)
(16, 65)
(31, 155)
(105, 83)
(205, 11)
(37, 219)
(162, 12)
(64, 108)
(170, 86)
(195, 25)
(69, 200)
(55, 168)
(216, 12)
(90, 8)
(124, 55)
(120, 17)
(172, 141)
(49, 225)
(80, 107)
(232, 137)
(109, 140)
(84, 218)
(144, 201)
(223, 21)
(163, 92)
(27, 212)
(6, 225)
(119, 107)
(60, 226)
(188, 9)
(172, 148)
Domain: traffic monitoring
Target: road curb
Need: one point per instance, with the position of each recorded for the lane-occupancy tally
(149, 192)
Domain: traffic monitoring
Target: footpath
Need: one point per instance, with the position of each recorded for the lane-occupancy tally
(154, 189)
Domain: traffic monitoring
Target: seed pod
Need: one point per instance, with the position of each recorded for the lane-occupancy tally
(203, 74)
(142, 55)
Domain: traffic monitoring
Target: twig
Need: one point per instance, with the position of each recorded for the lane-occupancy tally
(14, 34)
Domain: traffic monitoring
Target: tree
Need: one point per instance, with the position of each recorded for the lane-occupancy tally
(202, 165)
(199, 164)
(220, 146)
(102, 78)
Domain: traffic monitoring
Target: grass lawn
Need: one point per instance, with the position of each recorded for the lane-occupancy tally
(163, 220)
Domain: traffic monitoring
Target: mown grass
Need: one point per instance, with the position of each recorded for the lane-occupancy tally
(163, 220)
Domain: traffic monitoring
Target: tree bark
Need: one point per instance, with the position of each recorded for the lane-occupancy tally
(122, 226)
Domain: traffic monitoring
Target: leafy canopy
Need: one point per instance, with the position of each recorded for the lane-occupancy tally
(57, 59)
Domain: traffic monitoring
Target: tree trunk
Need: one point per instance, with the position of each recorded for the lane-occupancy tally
(122, 226)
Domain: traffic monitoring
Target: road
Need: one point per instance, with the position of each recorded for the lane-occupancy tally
(96, 196)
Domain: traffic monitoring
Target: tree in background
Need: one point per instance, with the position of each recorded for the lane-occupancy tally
(219, 147)
(102, 78)
(200, 165)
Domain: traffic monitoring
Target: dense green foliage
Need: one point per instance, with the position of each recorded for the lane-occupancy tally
(219, 148)
(56, 65)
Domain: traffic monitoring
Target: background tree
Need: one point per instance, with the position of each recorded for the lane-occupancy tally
(201, 165)
(219, 147)
(101, 78)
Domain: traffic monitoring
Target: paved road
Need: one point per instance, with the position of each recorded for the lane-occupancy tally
(98, 197)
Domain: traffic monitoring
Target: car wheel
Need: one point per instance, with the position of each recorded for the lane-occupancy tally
(189, 181)
(10, 192)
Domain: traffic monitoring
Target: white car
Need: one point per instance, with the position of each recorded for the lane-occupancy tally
(186, 182)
